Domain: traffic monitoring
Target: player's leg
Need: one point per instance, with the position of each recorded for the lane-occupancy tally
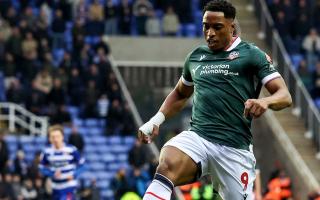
(235, 170)
(179, 164)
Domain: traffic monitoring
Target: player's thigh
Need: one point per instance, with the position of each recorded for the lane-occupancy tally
(235, 170)
(183, 158)
(177, 166)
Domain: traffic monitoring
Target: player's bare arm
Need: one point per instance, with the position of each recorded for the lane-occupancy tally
(173, 104)
(280, 98)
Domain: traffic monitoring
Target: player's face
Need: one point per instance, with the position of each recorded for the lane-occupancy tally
(217, 30)
(56, 138)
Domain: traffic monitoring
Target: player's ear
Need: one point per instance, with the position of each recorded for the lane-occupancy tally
(233, 28)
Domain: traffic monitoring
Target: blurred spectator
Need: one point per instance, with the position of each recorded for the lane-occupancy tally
(9, 68)
(60, 115)
(58, 27)
(76, 139)
(5, 29)
(30, 18)
(7, 186)
(125, 15)
(45, 54)
(66, 62)
(42, 24)
(111, 24)
(119, 184)
(170, 22)
(33, 169)
(115, 93)
(35, 100)
(43, 82)
(305, 74)
(80, 10)
(39, 187)
(4, 153)
(29, 47)
(95, 24)
(141, 10)
(17, 187)
(77, 30)
(62, 75)
(75, 87)
(57, 94)
(16, 93)
(94, 75)
(66, 9)
(91, 96)
(315, 92)
(4, 6)
(95, 192)
(184, 11)
(301, 27)
(14, 43)
(138, 157)
(279, 186)
(127, 120)
(103, 105)
(282, 24)
(12, 16)
(311, 44)
(274, 7)
(316, 15)
(102, 44)
(138, 180)
(153, 25)
(20, 164)
(28, 191)
(114, 123)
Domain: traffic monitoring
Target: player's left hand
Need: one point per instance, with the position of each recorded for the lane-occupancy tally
(255, 107)
(70, 178)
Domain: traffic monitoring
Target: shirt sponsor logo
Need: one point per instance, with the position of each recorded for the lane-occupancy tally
(215, 69)
(233, 55)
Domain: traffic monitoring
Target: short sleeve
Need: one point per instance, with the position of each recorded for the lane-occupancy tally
(186, 74)
(44, 159)
(264, 68)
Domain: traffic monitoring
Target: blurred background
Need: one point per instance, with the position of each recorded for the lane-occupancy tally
(103, 67)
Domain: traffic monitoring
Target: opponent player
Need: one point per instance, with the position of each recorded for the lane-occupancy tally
(62, 163)
(221, 77)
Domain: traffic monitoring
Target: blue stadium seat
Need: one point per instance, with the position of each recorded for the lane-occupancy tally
(119, 148)
(107, 194)
(108, 157)
(96, 166)
(11, 139)
(90, 148)
(103, 184)
(104, 148)
(191, 30)
(93, 157)
(26, 139)
(98, 139)
(129, 140)
(115, 140)
(74, 111)
(104, 175)
(296, 59)
(83, 130)
(96, 131)
(78, 122)
(40, 140)
(91, 122)
(123, 157)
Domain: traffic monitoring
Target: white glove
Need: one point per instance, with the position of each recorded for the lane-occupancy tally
(157, 120)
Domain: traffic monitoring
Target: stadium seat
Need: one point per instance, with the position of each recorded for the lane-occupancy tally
(103, 184)
(26, 139)
(95, 131)
(108, 157)
(115, 140)
(78, 122)
(11, 139)
(93, 157)
(105, 175)
(107, 194)
(96, 166)
(129, 140)
(91, 122)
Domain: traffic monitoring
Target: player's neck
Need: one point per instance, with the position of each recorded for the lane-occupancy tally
(231, 41)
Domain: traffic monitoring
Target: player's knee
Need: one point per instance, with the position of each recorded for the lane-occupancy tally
(167, 168)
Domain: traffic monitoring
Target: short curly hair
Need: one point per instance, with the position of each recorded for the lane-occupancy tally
(221, 6)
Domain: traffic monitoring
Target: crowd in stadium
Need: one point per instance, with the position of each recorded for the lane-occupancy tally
(52, 49)
(298, 23)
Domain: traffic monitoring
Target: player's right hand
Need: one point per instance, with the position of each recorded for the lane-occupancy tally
(147, 132)
(57, 174)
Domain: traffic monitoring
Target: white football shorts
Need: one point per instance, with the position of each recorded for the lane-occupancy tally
(232, 170)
